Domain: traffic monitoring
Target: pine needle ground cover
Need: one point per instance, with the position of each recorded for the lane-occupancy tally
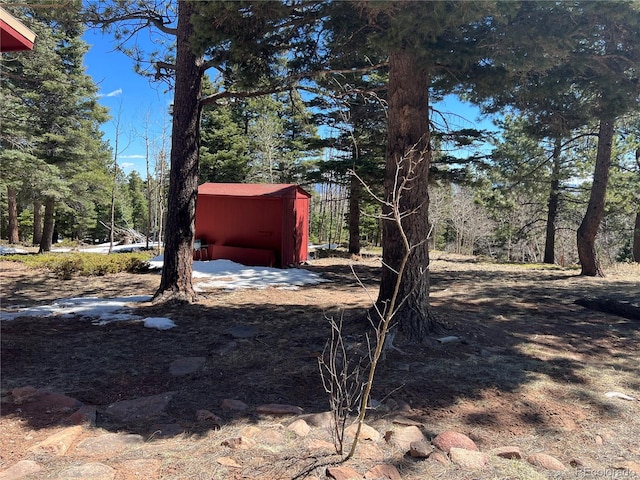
(532, 369)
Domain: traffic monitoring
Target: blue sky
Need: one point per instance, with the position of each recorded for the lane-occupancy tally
(137, 102)
(129, 97)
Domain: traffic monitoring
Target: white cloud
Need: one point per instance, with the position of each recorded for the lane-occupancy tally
(126, 165)
(131, 156)
(114, 93)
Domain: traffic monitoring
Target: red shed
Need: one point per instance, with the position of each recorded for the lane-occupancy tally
(253, 224)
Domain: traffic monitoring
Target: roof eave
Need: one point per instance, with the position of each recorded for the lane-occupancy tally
(15, 35)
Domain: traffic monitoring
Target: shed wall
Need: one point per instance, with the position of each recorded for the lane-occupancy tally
(266, 229)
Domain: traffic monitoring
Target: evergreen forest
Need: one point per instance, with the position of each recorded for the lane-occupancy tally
(303, 92)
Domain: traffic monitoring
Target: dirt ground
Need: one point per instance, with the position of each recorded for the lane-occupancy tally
(531, 369)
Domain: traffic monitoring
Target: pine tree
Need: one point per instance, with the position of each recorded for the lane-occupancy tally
(352, 107)
(58, 100)
(224, 146)
(138, 200)
(577, 65)
(607, 69)
(425, 42)
(622, 209)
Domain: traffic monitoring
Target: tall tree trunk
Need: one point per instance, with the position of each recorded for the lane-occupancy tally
(112, 217)
(47, 231)
(552, 205)
(149, 201)
(636, 240)
(176, 284)
(595, 210)
(160, 204)
(355, 193)
(37, 222)
(407, 147)
(321, 212)
(12, 215)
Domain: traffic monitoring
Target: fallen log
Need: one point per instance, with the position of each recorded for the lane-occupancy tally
(622, 308)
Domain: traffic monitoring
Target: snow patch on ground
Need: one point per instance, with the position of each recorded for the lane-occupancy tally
(222, 274)
(159, 323)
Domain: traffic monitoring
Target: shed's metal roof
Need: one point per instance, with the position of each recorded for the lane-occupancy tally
(287, 190)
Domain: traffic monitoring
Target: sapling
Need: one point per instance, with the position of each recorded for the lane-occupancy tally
(341, 379)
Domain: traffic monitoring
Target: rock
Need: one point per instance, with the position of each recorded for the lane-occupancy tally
(141, 469)
(23, 394)
(85, 415)
(446, 440)
(268, 436)
(89, 471)
(343, 473)
(226, 348)
(585, 462)
(271, 437)
(242, 331)
(186, 366)
(56, 402)
(366, 432)
(239, 443)
(320, 420)
(545, 461)
(230, 404)
(368, 451)
(469, 459)
(607, 436)
(228, 462)
(20, 470)
(403, 406)
(420, 449)
(628, 466)
(108, 444)
(279, 409)
(383, 472)
(392, 404)
(138, 409)
(250, 431)
(439, 457)
(300, 428)
(166, 430)
(58, 443)
(317, 444)
(205, 416)
(510, 452)
(49, 402)
(403, 438)
(400, 420)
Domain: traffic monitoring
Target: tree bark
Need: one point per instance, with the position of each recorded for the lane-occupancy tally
(408, 143)
(47, 231)
(635, 252)
(176, 283)
(355, 194)
(12, 215)
(37, 222)
(552, 205)
(595, 210)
